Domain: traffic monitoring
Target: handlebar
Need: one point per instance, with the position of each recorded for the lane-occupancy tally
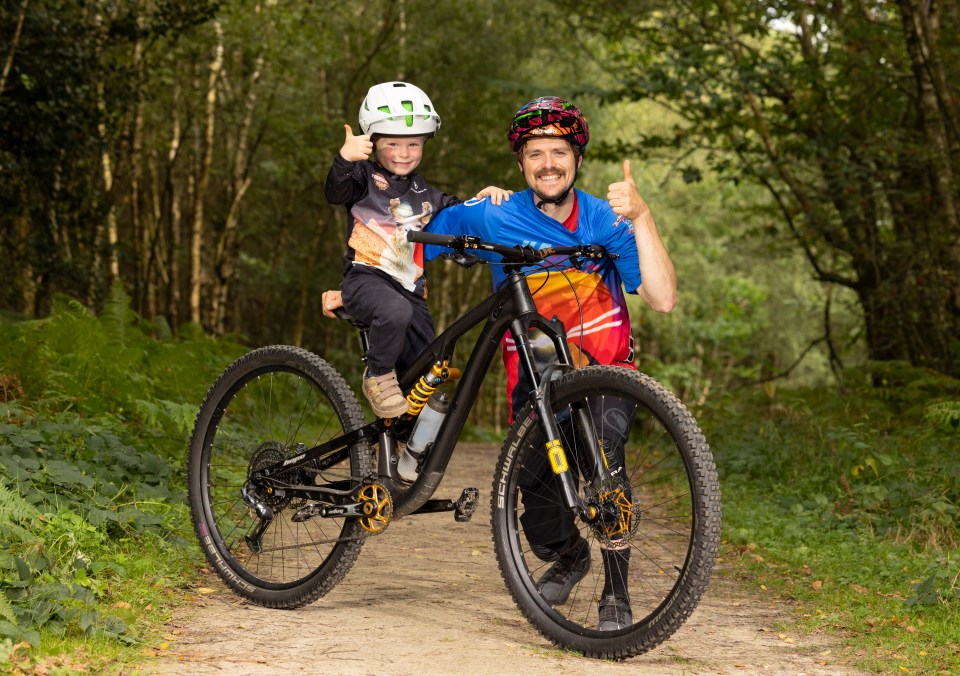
(511, 254)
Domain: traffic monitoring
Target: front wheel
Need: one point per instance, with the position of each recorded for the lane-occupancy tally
(266, 407)
(638, 572)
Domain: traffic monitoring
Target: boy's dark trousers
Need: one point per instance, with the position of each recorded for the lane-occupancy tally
(400, 324)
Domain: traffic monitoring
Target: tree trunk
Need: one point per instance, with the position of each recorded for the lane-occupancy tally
(228, 246)
(173, 225)
(106, 165)
(205, 151)
(939, 114)
(140, 221)
(14, 43)
(28, 288)
(308, 272)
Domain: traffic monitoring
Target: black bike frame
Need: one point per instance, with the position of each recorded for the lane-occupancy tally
(510, 308)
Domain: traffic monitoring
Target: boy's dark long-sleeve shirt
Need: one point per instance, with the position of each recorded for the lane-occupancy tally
(381, 209)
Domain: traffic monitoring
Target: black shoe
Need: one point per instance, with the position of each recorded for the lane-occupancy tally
(571, 567)
(614, 613)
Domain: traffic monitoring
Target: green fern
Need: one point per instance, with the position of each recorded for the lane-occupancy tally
(945, 413)
(14, 510)
(117, 317)
(6, 609)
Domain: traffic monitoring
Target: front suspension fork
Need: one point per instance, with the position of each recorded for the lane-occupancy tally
(581, 420)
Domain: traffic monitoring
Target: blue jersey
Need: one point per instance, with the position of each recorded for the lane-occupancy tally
(590, 302)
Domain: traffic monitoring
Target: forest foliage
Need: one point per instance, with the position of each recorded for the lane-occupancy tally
(92, 462)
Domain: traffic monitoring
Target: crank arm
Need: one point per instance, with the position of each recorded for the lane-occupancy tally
(315, 509)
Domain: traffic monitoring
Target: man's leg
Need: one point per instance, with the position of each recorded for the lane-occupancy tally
(613, 421)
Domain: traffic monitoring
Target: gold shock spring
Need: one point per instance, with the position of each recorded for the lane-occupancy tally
(426, 386)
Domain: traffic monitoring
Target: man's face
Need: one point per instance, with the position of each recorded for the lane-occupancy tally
(399, 154)
(549, 165)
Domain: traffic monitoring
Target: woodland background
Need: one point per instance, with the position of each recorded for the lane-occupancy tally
(802, 159)
(161, 210)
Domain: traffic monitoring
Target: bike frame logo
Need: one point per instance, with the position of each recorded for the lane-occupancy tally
(558, 459)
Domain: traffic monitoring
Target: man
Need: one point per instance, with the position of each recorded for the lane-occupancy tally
(549, 136)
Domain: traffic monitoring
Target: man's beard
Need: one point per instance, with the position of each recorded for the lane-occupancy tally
(559, 195)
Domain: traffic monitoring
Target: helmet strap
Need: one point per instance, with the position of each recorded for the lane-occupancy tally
(556, 200)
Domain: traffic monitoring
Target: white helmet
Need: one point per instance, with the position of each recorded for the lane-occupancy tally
(398, 109)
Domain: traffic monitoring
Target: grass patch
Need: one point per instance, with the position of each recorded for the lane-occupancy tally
(845, 502)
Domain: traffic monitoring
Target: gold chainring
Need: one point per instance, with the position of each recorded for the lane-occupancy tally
(377, 508)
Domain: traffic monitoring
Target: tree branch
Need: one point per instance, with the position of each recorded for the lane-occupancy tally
(8, 64)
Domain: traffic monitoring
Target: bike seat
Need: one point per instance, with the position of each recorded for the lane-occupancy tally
(341, 313)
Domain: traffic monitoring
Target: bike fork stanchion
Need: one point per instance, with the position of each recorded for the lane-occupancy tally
(582, 418)
(557, 456)
(540, 398)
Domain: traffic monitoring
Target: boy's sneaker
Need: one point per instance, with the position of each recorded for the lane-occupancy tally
(614, 613)
(571, 567)
(383, 392)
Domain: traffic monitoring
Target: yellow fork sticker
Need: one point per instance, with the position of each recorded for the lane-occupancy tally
(603, 453)
(558, 459)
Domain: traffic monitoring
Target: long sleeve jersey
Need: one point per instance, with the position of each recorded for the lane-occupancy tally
(590, 301)
(381, 208)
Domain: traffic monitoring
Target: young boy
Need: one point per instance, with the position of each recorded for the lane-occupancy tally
(383, 285)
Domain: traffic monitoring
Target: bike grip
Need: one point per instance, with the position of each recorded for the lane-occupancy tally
(431, 238)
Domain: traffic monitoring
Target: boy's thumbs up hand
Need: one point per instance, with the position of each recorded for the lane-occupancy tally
(355, 148)
(624, 197)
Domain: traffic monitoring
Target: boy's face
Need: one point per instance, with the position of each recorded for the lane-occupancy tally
(399, 154)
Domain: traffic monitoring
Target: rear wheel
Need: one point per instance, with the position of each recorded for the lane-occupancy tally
(657, 542)
(268, 406)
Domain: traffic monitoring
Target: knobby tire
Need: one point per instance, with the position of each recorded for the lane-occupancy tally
(256, 413)
(671, 483)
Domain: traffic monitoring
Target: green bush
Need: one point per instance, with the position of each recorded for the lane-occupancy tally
(94, 418)
(861, 461)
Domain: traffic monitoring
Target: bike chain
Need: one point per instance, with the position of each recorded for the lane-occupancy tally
(374, 523)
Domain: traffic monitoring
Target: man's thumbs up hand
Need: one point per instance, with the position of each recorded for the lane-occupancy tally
(624, 197)
(355, 148)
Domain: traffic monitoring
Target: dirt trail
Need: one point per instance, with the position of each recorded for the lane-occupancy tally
(426, 597)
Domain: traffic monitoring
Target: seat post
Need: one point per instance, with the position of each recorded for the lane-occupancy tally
(364, 330)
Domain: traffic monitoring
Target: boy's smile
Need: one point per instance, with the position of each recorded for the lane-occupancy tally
(399, 155)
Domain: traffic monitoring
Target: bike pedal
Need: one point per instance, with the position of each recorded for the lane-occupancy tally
(466, 505)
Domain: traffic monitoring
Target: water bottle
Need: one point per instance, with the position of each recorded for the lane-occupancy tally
(424, 432)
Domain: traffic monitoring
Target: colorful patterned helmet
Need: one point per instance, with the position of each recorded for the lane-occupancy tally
(398, 109)
(550, 117)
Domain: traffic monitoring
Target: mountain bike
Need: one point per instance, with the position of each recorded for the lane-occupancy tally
(287, 480)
